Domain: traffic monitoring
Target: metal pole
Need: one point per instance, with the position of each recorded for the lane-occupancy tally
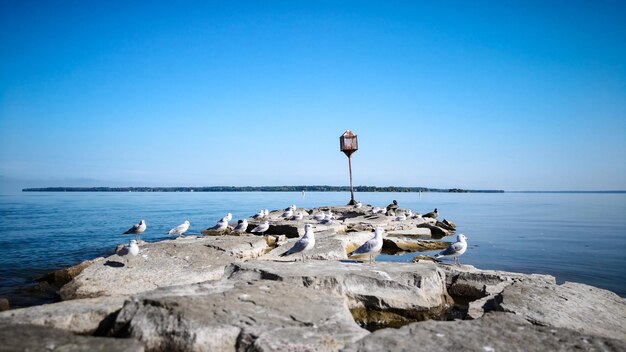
(352, 202)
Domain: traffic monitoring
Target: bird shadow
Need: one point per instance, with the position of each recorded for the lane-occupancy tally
(114, 264)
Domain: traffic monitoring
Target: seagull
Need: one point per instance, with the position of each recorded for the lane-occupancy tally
(401, 217)
(259, 215)
(377, 210)
(304, 244)
(408, 213)
(242, 226)
(297, 217)
(137, 230)
(372, 247)
(262, 228)
(433, 214)
(221, 225)
(327, 220)
(288, 214)
(358, 205)
(455, 250)
(292, 207)
(132, 248)
(319, 216)
(267, 212)
(180, 229)
(229, 216)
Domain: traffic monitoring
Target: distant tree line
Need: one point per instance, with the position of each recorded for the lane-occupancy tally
(257, 189)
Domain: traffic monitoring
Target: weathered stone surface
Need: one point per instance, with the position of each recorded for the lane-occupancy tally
(416, 291)
(480, 287)
(4, 304)
(328, 246)
(82, 316)
(393, 245)
(17, 337)
(575, 306)
(158, 264)
(241, 247)
(419, 232)
(436, 231)
(295, 229)
(238, 316)
(493, 332)
(63, 276)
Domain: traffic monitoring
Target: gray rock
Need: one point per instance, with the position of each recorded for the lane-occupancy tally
(436, 231)
(4, 304)
(82, 316)
(415, 291)
(16, 337)
(238, 316)
(414, 232)
(159, 264)
(393, 245)
(493, 332)
(328, 246)
(575, 306)
(241, 247)
(480, 287)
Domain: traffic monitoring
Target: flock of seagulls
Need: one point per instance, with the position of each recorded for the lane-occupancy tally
(370, 249)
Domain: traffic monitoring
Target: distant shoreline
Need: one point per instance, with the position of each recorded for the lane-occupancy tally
(258, 189)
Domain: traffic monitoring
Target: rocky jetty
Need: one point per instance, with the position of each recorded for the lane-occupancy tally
(224, 292)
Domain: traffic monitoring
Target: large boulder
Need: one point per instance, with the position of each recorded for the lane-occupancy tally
(238, 316)
(493, 332)
(580, 307)
(159, 264)
(16, 337)
(82, 316)
(382, 291)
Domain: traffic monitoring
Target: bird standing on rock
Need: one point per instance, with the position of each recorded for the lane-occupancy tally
(137, 230)
(393, 206)
(180, 229)
(221, 225)
(304, 244)
(372, 247)
(261, 228)
(433, 214)
(242, 226)
(455, 250)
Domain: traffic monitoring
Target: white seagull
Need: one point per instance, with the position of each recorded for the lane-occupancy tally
(262, 228)
(137, 230)
(242, 226)
(377, 210)
(401, 217)
(372, 247)
(298, 216)
(259, 215)
(319, 216)
(267, 212)
(288, 214)
(221, 225)
(304, 244)
(132, 248)
(358, 205)
(229, 217)
(455, 250)
(180, 229)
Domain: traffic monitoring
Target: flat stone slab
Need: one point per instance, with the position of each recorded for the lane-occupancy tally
(493, 332)
(16, 337)
(159, 264)
(238, 316)
(82, 316)
(580, 307)
(417, 232)
(328, 246)
(416, 289)
(241, 247)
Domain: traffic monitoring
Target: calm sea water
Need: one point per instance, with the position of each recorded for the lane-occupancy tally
(575, 237)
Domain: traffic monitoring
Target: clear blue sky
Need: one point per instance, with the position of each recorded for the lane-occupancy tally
(509, 95)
